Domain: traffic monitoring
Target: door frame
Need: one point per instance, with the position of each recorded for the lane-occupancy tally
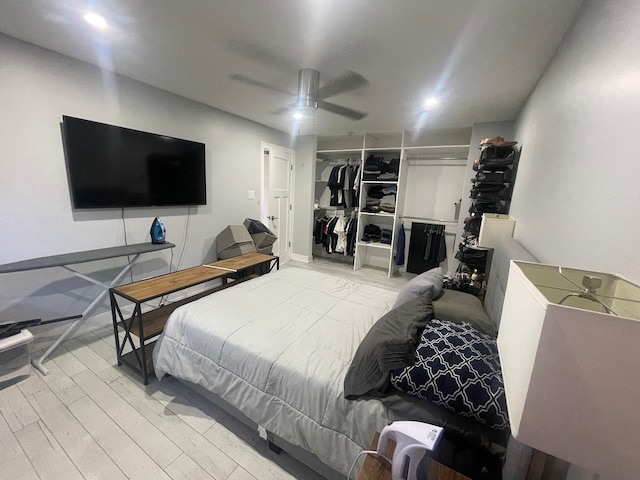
(265, 148)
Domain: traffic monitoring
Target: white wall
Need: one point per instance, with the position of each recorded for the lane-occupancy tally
(304, 189)
(36, 88)
(578, 183)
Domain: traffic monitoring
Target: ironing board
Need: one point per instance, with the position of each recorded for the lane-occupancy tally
(64, 260)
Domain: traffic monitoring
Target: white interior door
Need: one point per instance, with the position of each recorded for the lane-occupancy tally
(277, 181)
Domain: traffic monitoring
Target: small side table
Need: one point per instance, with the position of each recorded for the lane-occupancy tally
(374, 468)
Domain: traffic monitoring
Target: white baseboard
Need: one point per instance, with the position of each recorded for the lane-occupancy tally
(302, 258)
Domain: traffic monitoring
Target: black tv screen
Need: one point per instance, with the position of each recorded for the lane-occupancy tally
(116, 167)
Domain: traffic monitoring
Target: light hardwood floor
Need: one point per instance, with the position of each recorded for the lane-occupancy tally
(90, 419)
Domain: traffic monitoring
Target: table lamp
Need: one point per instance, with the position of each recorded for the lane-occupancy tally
(569, 345)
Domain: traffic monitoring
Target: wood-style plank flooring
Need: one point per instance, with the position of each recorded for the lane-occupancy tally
(90, 419)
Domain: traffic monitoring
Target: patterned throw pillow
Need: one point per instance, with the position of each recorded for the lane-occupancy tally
(457, 367)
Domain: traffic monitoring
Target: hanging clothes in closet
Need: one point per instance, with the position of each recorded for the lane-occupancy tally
(336, 234)
(342, 185)
(427, 247)
(400, 245)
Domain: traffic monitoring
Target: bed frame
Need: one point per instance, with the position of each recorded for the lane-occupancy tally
(276, 444)
(509, 249)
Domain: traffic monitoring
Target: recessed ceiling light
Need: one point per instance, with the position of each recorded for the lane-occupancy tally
(430, 102)
(96, 20)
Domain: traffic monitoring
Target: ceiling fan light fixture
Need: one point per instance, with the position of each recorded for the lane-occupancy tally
(308, 86)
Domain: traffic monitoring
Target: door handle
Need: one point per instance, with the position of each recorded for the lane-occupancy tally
(272, 217)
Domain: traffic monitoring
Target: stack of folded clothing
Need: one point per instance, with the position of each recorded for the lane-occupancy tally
(381, 198)
(386, 236)
(371, 168)
(372, 233)
(390, 169)
(388, 203)
(379, 168)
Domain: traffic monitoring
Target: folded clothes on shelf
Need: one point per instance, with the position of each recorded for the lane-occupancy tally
(379, 191)
(386, 236)
(372, 233)
(380, 168)
(389, 176)
(388, 201)
(378, 209)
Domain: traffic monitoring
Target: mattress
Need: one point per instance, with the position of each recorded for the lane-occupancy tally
(278, 348)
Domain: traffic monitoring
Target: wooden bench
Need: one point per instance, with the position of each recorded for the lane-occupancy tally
(147, 325)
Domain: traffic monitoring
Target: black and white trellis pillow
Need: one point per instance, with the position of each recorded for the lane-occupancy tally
(457, 367)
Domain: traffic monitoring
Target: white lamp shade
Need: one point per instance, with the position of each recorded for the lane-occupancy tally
(495, 227)
(572, 373)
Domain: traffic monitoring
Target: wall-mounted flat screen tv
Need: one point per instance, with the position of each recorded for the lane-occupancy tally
(116, 167)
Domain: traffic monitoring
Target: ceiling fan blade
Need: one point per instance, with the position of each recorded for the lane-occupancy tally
(344, 111)
(282, 110)
(349, 81)
(257, 83)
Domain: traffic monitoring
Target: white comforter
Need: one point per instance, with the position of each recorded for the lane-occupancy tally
(277, 348)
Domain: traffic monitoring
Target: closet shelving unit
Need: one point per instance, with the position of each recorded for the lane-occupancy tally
(439, 208)
(377, 255)
(338, 151)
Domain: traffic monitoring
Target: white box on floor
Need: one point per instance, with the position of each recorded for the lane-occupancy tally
(15, 359)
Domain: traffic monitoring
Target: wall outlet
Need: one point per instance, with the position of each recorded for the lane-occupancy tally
(252, 194)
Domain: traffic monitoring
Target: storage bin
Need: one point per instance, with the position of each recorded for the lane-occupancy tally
(233, 241)
(263, 238)
(15, 358)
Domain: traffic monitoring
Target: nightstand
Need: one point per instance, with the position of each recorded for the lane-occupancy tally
(374, 468)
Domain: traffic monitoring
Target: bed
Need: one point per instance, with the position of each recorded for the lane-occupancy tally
(276, 351)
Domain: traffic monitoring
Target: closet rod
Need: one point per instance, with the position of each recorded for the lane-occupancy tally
(442, 220)
(346, 161)
(429, 159)
(338, 211)
(447, 234)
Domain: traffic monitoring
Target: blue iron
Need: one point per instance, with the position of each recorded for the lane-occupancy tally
(158, 232)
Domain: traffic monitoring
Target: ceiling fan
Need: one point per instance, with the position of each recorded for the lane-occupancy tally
(310, 94)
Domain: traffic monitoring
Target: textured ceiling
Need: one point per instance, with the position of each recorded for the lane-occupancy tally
(480, 59)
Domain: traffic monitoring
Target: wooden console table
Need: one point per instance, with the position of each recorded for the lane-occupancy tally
(150, 324)
(66, 259)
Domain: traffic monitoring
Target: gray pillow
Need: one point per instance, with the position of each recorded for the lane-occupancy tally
(460, 307)
(389, 344)
(418, 286)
